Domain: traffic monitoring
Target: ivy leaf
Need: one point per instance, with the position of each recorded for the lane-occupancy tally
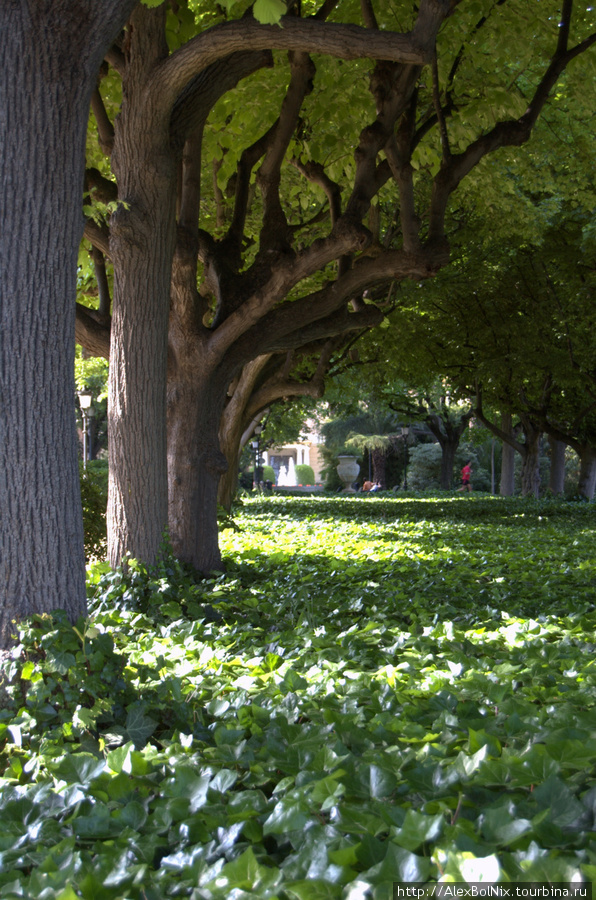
(418, 829)
(59, 660)
(314, 889)
(288, 815)
(139, 726)
(269, 12)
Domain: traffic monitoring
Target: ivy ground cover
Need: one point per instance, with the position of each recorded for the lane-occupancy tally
(375, 691)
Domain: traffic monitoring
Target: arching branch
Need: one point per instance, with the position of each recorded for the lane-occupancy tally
(309, 36)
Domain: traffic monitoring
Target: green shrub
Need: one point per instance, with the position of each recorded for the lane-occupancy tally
(268, 474)
(304, 474)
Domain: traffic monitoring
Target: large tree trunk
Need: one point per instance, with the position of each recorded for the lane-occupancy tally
(50, 57)
(448, 451)
(195, 465)
(507, 483)
(530, 475)
(557, 466)
(141, 245)
(587, 473)
(379, 466)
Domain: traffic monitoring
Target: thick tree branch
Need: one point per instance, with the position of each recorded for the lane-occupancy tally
(91, 332)
(494, 429)
(105, 129)
(243, 389)
(104, 189)
(101, 276)
(368, 14)
(309, 36)
(275, 234)
(392, 86)
(99, 235)
(325, 10)
(332, 299)
(284, 276)
(115, 57)
(202, 93)
(398, 151)
(231, 246)
(192, 109)
(280, 385)
(187, 306)
(337, 323)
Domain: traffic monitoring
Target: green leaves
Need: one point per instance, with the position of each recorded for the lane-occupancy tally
(269, 12)
(415, 727)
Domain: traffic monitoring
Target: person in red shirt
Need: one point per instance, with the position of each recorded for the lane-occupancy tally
(466, 474)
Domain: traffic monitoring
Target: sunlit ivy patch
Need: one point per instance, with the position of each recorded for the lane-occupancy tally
(373, 691)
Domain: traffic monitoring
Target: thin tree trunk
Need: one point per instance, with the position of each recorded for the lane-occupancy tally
(557, 466)
(50, 57)
(507, 484)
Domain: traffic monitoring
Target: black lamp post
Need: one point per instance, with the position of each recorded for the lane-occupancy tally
(256, 446)
(405, 431)
(87, 412)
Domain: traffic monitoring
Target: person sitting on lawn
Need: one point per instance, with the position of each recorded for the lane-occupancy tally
(367, 486)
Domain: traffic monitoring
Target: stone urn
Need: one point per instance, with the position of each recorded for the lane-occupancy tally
(348, 470)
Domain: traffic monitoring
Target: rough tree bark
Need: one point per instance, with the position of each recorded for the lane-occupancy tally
(142, 239)
(50, 57)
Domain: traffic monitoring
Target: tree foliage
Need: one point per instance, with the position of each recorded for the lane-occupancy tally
(295, 222)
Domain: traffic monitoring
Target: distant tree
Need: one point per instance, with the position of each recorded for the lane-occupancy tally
(425, 467)
(287, 239)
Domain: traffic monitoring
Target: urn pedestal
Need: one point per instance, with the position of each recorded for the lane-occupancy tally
(348, 470)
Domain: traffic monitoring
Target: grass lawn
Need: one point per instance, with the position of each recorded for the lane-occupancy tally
(377, 690)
